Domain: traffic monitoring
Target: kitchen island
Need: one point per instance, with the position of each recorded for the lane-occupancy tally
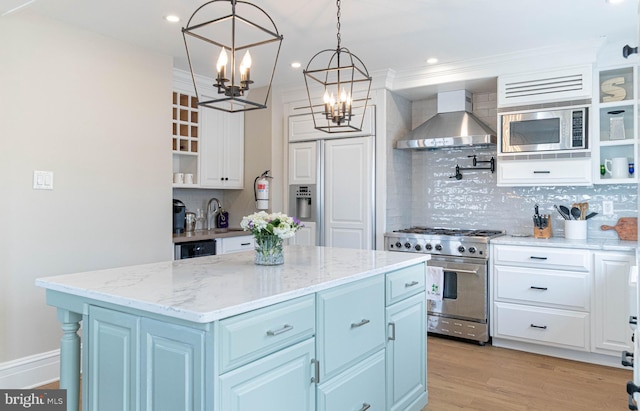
(329, 329)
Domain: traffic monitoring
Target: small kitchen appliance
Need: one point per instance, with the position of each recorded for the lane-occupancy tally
(463, 255)
(556, 129)
(179, 214)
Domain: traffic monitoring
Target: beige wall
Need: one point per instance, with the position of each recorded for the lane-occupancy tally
(96, 112)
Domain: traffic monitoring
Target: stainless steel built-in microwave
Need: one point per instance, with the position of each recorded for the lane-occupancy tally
(545, 130)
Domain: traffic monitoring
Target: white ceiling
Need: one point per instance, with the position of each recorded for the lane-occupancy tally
(396, 34)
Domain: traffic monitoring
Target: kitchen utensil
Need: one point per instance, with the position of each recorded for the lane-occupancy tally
(591, 215)
(576, 213)
(566, 211)
(626, 227)
(562, 213)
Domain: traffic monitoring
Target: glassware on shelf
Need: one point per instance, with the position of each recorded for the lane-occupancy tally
(631, 168)
(603, 170)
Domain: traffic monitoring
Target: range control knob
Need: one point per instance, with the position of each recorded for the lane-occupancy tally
(398, 244)
(439, 247)
(407, 245)
(461, 249)
(472, 250)
(418, 247)
(428, 246)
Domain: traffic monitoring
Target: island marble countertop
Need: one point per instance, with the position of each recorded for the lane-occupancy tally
(561, 242)
(207, 289)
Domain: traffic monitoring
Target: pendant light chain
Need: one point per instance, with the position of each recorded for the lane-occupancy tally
(338, 25)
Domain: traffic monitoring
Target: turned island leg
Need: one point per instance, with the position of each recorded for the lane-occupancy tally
(70, 357)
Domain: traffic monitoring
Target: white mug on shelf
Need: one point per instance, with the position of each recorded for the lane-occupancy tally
(617, 167)
(188, 178)
(178, 178)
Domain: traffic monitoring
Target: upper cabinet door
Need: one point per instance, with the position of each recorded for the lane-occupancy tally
(301, 127)
(222, 154)
(303, 162)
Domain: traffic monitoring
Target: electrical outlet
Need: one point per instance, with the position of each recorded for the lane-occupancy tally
(607, 207)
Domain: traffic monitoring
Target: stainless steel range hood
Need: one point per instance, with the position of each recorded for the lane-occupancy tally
(453, 126)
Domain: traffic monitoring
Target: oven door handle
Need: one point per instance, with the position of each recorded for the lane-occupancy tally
(457, 270)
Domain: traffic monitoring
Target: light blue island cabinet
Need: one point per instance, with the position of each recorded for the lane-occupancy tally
(330, 329)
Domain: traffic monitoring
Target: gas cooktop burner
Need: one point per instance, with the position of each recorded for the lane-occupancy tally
(450, 232)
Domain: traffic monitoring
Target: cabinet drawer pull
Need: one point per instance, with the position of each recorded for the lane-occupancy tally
(533, 257)
(360, 324)
(542, 327)
(541, 172)
(284, 329)
(411, 284)
(393, 331)
(365, 406)
(244, 244)
(533, 287)
(316, 377)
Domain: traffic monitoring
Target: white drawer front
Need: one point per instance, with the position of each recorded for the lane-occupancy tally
(570, 171)
(561, 289)
(542, 257)
(560, 328)
(405, 282)
(252, 335)
(351, 324)
(237, 244)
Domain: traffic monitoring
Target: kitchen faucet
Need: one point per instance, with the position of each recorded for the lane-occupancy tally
(213, 206)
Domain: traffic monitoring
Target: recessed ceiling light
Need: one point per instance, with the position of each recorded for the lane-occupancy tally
(172, 18)
(432, 60)
(295, 64)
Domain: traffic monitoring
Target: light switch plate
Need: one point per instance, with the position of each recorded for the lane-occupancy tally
(607, 207)
(42, 180)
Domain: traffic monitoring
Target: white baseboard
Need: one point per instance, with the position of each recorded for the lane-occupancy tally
(30, 372)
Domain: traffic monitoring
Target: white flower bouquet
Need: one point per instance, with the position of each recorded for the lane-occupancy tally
(269, 230)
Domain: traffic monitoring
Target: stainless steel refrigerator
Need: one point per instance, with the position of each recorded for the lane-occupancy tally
(332, 190)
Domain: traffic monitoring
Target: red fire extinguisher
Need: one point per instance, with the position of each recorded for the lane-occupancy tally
(261, 190)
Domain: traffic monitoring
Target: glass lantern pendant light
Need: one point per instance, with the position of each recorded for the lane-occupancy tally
(340, 84)
(218, 35)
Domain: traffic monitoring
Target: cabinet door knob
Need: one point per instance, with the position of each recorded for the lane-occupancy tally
(393, 331)
(316, 377)
(365, 406)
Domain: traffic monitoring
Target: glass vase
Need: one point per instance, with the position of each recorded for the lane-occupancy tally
(269, 250)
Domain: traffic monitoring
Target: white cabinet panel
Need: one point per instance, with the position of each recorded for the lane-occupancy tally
(222, 154)
(553, 172)
(611, 331)
(301, 127)
(348, 213)
(236, 244)
(305, 236)
(303, 163)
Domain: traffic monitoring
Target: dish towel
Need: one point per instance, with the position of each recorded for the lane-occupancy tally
(435, 283)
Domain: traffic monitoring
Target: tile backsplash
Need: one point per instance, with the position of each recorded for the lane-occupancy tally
(437, 199)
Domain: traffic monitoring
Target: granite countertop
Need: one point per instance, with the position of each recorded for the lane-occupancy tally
(561, 242)
(207, 289)
(199, 235)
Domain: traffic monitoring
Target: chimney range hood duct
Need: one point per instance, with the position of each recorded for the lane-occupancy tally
(453, 126)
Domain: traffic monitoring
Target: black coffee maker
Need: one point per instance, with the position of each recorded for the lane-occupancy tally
(179, 213)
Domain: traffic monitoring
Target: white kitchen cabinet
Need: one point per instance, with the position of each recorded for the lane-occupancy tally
(303, 163)
(614, 121)
(301, 127)
(611, 331)
(185, 135)
(551, 172)
(565, 84)
(348, 194)
(229, 245)
(541, 295)
(222, 154)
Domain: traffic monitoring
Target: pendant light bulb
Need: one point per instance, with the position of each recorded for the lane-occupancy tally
(246, 61)
(222, 62)
(343, 95)
(326, 97)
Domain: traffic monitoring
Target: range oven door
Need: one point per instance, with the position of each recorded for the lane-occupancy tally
(465, 294)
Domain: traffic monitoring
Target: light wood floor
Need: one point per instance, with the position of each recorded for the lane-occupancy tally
(471, 377)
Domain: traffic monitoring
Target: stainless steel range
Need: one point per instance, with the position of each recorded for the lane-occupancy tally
(464, 257)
